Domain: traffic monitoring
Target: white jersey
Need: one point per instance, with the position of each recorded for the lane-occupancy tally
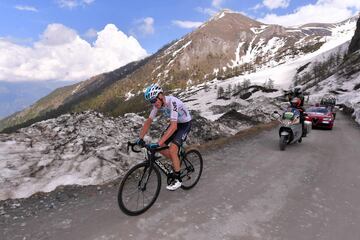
(173, 108)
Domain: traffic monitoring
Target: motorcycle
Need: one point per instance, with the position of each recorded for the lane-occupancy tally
(290, 130)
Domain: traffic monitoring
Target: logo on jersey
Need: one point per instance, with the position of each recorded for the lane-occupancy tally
(174, 106)
(166, 111)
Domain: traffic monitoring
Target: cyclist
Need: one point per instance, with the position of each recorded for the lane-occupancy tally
(176, 132)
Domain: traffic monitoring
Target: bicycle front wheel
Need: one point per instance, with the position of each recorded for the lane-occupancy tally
(191, 169)
(139, 189)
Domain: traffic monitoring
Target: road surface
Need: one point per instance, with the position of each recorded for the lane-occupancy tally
(249, 190)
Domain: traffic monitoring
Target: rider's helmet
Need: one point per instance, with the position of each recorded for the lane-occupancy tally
(295, 102)
(152, 92)
(297, 91)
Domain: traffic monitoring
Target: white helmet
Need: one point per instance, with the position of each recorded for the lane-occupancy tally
(152, 92)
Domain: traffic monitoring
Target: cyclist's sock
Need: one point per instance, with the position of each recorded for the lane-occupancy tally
(177, 176)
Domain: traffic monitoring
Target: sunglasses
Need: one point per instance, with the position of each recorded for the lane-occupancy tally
(152, 101)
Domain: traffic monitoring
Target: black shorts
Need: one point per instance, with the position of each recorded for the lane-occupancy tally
(180, 135)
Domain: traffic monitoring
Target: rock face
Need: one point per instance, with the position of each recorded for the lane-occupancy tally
(84, 148)
(79, 149)
(350, 68)
(355, 41)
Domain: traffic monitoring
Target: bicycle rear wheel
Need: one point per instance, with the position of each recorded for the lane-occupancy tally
(139, 189)
(191, 169)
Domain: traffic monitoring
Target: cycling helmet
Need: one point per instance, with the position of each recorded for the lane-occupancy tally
(152, 92)
(295, 102)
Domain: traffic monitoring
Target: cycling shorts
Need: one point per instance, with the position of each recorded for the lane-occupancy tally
(180, 135)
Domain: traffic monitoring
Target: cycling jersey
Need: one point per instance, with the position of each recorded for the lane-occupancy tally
(174, 109)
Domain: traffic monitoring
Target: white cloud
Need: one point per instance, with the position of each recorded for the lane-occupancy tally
(73, 3)
(323, 11)
(26, 8)
(58, 34)
(207, 11)
(186, 24)
(215, 6)
(90, 33)
(146, 26)
(257, 6)
(217, 3)
(61, 54)
(273, 4)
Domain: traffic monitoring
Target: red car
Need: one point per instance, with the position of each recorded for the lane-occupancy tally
(320, 117)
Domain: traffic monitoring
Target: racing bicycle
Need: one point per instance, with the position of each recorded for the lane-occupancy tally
(141, 185)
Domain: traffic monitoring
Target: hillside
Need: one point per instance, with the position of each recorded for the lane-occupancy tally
(228, 45)
(344, 80)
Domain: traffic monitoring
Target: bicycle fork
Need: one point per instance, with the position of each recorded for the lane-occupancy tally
(142, 183)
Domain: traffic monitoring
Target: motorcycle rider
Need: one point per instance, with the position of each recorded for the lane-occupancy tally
(176, 132)
(296, 92)
(296, 104)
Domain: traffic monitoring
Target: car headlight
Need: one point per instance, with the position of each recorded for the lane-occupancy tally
(327, 119)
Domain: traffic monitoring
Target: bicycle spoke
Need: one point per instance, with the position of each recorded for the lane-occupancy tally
(137, 202)
(191, 169)
(131, 193)
(145, 196)
(139, 189)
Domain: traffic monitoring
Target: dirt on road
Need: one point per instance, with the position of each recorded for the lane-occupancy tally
(249, 190)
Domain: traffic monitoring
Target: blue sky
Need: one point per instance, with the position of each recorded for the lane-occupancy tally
(24, 21)
(27, 25)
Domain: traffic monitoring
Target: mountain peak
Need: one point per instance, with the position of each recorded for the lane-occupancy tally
(224, 12)
(228, 45)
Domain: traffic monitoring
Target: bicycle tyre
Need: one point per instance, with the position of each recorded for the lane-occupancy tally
(191, 169)
(134, 179)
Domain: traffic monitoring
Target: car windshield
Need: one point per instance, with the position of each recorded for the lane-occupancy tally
(317, 110)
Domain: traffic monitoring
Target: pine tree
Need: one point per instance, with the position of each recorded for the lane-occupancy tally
(206, 87)
(220, 92)
(270, 84)
(246, 83)
(265, 84)
(228, 91)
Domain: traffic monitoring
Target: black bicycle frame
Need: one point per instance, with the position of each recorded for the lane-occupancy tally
(152, 159)
(155, 160)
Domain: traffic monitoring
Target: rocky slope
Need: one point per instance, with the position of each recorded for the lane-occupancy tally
(229, 44)
(336, 73)
(355, 41)
(88, 148)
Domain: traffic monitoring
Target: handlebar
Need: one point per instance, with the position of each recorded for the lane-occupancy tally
(147, 146)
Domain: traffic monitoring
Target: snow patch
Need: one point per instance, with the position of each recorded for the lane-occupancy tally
(259, 30)
(183, 47)
(129, 95)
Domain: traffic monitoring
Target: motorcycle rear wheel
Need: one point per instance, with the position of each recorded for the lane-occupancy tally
(282, 142)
